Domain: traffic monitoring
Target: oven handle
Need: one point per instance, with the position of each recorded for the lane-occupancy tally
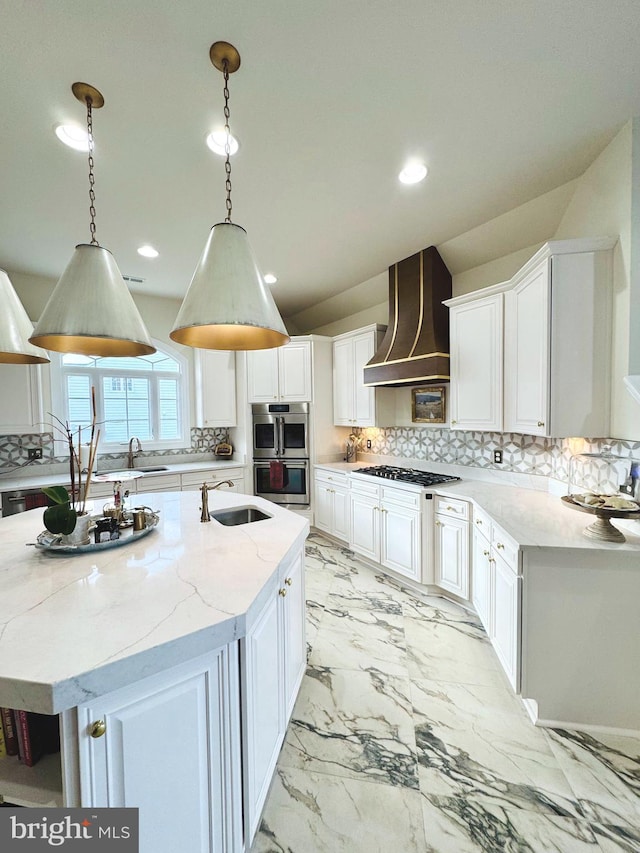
(280, 450)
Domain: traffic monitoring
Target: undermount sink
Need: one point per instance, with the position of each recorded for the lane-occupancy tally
(151, 469)
(242, 515)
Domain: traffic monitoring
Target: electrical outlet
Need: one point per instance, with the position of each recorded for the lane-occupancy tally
(368, 444)
(34, 453)
(497, 457)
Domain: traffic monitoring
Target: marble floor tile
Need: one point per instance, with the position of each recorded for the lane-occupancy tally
(360, 639)
(473, 741)
(404, 690)
(460, 825)
(316, 813)
(354, 724)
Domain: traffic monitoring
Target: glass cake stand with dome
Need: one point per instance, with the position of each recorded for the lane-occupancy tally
(607, 486)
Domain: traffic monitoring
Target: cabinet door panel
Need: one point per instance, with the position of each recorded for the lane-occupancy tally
(365, 526)
(452, 555)
(294, 361)
(506, 611)
(295, 647)
(323, 510)
(400, 546)
(480, 573)
(527, 354)
(476, 365)
(364, 398)
(343, 386)
(262, 376)
(21, 387)
(216, 388)
(341, 514)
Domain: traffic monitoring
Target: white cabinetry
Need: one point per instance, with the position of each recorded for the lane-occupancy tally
(548, 359)
(215, 373)
(22, 411)
(496, 592)
(179, 728)
(193, 480)
(281, 375)
(354, 404)
(558, 341)
(331, 511)
(451, 544)
(274, 656)
(476, 364)
(386, 526)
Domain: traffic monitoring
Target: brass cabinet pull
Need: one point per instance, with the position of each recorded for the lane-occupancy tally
(500, 545)
(282, 592)
(486, 553)
(451, 509)
(454, 422)
(98, 728)
(478, 521)
(288, 581)
(540, 423)
(439, 523)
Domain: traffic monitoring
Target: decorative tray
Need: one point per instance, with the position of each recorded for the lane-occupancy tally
(50, 542)
(602, 528)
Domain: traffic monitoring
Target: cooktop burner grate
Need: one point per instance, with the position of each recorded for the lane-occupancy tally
(406, 475)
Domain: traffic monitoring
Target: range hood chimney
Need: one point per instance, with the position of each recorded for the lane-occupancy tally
(415, 348)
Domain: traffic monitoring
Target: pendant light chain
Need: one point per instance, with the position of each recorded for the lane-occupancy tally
(227, 145)
(92, 194)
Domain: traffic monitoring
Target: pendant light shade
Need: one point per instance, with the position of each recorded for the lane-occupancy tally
(16, 328)
(228, 305)
(91, 310)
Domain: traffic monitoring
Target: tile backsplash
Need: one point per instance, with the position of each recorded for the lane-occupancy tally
(525, 454)
(13, 448)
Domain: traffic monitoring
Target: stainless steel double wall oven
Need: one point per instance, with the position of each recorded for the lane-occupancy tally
(281, 452)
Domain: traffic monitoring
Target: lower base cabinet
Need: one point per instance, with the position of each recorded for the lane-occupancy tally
(332, 504)
(170, 746)
(451, 545)
(273, 664)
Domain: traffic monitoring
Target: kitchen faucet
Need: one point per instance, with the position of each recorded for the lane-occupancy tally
(131, 455)
(222, 483)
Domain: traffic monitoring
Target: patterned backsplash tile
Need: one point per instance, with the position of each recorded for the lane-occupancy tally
(13, 448)
(524, 454)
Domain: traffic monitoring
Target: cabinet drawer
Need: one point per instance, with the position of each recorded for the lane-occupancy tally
(338, 478)
(506, 547)
(402, 497)
(362, 487)
(158, 483)
(211, 475)
(452, 507)
(482, 522)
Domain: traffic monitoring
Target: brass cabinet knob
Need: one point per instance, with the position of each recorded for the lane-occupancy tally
(478, 521)
(454, 422)
(282, 592)
(288, 581)
(438, 523)
(540, 423)
(500, 545)
(486, 553)
(98, 728)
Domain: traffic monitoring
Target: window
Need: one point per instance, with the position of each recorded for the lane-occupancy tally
(143, 397)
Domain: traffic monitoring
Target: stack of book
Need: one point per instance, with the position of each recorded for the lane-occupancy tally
(28, 735)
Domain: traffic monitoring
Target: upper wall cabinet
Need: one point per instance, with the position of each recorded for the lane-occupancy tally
(23, 411)
(354, 404)
(215, 372)
(281, 375)
(554, 375)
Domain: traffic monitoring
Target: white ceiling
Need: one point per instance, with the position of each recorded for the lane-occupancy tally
(503, 100)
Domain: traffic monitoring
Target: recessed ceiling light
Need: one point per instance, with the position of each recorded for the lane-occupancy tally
(217, 142)
(413, 173)
(148, 252)
(73, 136)
(270, 278)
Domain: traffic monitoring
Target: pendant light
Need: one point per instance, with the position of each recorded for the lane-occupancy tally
(91, 310)
(15, 329)
(228, 306)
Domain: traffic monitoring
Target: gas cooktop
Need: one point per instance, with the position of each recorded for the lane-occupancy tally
(406, 475)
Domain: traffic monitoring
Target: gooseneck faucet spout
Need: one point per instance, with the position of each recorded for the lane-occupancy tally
(222, 483)
(131, 455)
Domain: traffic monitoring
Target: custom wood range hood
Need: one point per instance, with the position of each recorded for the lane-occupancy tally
(415, 348)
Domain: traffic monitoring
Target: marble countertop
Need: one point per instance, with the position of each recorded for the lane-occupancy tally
(76, 627)
(534, 518)
(38, 478)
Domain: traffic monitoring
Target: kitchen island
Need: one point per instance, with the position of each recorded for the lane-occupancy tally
(173, 663)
